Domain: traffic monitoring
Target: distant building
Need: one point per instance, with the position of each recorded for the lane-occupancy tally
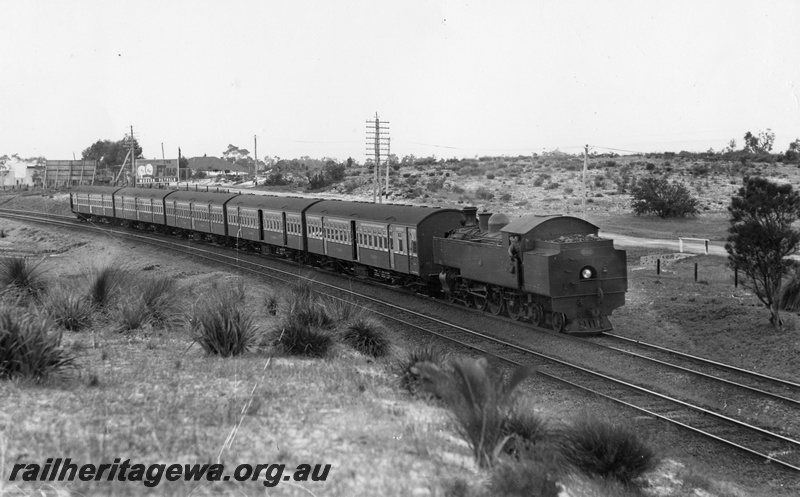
(18, 172)
(211, 164)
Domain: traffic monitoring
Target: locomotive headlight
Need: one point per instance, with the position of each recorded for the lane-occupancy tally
(588, 273)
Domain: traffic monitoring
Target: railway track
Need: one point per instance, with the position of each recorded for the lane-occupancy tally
(780, 450)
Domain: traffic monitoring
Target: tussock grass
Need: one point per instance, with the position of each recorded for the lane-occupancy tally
(28, 349)
(272, 301)
(306, 308)
(163, 300)
(480, 400)
(68, 308)
(222, 327)
(524, 479)
(367, 335)
(132, 315)
(23, 276)
(156, 302)
(407, 367)
(526, 431)
(296, 338)
(107, 284)
(304, 328)
(598, 447)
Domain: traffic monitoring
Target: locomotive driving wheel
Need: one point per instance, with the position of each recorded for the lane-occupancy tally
(495, 300)
(479, 301)
(559, 322)
(537, 314)
(515, 308)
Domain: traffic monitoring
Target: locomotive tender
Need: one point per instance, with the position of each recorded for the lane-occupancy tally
(552, 270)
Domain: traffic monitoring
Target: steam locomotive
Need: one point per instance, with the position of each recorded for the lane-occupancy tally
(549, 270)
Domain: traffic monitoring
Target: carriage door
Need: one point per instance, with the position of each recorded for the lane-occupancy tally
(413, 259)
(354, 239)
(283, 229)
(399, 249)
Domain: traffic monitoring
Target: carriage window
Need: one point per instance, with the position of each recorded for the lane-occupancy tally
(412, 242)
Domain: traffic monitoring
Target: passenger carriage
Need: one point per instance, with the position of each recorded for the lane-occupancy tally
(387, 241)
(93, 202)
(145, 205)
(284, 224)
(202, 212)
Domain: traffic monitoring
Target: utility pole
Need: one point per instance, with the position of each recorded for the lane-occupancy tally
(378, 145)
(388, 155)
(177, 183)
(133, 160)
(585, 168)
(255, 154)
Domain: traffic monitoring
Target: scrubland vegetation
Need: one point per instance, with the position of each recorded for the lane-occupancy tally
(520, 450)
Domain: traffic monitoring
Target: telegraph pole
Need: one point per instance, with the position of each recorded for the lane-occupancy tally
(388, 154)
(379, 145)
(585, 167)
(255, 154)
(133, 160)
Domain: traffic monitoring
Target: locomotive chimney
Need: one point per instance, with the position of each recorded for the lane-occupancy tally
(483, 220)
(469, 215)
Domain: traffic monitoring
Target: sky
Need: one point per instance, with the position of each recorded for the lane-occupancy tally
(450, 78)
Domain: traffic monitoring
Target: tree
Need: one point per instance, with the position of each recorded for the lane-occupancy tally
(761, 144)
(793, 152)
(239, 156)
(664, 199)
(109, 153)
(761, 237)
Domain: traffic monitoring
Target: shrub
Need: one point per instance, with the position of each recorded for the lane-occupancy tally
(27, 349)
(222, 328)
(568, 190)
(490, 176)
(479, 400)
(20, 275)
(506, 197)
(790, 293)
(483, 194)
(435, 184)
(457, 189)
(551, 186)
(664, 199)
(368, 336)
(608, 450)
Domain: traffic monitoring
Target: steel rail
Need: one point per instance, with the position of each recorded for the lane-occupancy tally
(703, 360)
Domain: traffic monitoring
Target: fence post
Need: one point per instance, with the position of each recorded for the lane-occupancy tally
(736, 277)
(658, 266)
(680, 244)
(695, 272)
